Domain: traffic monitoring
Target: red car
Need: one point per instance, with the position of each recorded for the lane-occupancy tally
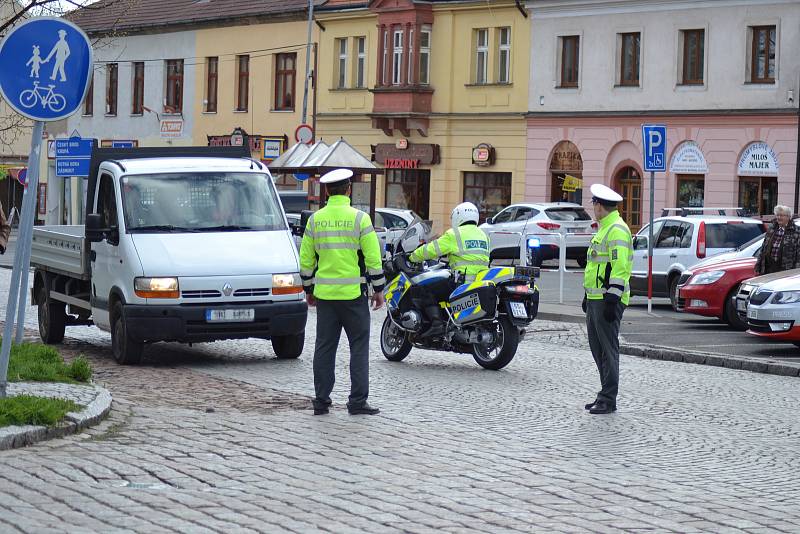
(709, 288)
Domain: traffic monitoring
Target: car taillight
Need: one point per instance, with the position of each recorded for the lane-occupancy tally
(701, 241)
(595, 226)
(549, 225)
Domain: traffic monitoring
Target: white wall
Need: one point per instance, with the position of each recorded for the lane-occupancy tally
(599, 21)
(153, 50)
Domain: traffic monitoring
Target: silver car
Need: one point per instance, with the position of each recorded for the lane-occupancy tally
(770, 305)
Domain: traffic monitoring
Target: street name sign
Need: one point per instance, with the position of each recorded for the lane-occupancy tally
(73, 156)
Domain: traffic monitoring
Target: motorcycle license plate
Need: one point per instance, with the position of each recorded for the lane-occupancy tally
(518, 310)
(741, 305)
(752, 314)
(246, 315)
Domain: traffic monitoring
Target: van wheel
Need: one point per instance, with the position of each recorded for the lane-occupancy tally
(289, 347)
(730, 315)
(125, 350)
(52, 318)
(673, 292)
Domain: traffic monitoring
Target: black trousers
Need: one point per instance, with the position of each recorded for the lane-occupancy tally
(604, 343)
(332, 317)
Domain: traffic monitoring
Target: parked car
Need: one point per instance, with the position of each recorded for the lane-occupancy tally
(681, 242)
(771, 306)
(548, 221)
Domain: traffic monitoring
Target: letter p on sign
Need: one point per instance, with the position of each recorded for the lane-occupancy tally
(654, 141)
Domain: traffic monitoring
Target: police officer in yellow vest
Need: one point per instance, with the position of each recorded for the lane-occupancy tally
(339, 254)
(467, 249)
(606, 283)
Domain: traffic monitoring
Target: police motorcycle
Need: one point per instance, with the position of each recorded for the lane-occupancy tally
(485, 317)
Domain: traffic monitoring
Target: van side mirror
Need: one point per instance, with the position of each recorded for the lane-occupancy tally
(94, 228)
(640, 242)
(305, 215)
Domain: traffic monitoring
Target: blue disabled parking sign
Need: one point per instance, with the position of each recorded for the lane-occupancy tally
(46, 67)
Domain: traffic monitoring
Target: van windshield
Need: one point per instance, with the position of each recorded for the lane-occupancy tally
(200, 202)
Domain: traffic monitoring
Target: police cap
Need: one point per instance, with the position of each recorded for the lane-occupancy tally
(336, 176)
(605, 195)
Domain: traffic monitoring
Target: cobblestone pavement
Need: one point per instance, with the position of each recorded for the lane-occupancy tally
(219, 437)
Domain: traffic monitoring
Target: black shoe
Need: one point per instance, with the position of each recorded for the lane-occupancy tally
(602, 407)
(590, 405)
(321, 408)
(364, 409)
(436, 329)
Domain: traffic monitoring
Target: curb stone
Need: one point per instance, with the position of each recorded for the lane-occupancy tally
(756, 365)
(12, 437)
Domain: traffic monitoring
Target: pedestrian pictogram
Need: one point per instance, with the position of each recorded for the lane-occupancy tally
(47, 65)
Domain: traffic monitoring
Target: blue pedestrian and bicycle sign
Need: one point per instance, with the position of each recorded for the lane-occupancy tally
(73, 156)
(654, 141)
(47, 64)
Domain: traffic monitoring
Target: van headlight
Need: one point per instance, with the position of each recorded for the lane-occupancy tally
(786, 297)
(702, 279)
(287, 284)
(156, 288)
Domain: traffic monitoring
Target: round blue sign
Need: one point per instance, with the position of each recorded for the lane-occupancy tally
(302, 177)
(47, 64)
(22, 177)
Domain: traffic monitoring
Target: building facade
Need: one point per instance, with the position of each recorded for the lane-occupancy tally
(436, 92)
(721, 75)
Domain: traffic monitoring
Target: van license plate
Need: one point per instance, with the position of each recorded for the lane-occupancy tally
(238, 315)
(518, 310)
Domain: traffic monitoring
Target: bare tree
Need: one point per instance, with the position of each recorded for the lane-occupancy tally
(22, 9)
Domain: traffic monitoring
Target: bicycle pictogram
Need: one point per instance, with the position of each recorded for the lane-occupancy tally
(48, 98)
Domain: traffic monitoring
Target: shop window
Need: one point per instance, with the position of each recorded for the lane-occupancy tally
(489, 191)
(112, 81)
(242, 82)
(693, 56)
(758, 195)
(566, 162)
(762, 54)
(212, 66)
(285, 182)
(174, 100)
(408, 190)
(570, 57)
(628, 182)
(691, 191)
(137, 104)
(630, 44)
(285, 75)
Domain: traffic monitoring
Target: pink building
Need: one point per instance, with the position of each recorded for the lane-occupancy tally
(715, 77)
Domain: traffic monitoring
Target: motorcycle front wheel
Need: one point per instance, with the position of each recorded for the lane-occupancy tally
(501, 350)
(395, 344)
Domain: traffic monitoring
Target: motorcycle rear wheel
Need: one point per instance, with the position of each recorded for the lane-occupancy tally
(395, 344)
(501, 351)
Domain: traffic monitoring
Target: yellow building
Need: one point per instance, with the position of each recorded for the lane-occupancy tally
(444, 116)
(250, 85)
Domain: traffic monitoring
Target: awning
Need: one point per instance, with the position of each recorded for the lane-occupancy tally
(321, 158)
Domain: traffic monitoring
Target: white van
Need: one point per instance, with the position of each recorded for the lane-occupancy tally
(179, 245)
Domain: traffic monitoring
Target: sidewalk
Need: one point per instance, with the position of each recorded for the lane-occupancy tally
(7, 259)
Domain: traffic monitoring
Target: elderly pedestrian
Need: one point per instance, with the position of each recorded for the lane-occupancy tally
(781, 249)
(5, 231)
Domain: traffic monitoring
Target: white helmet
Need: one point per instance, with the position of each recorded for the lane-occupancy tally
(464, 213)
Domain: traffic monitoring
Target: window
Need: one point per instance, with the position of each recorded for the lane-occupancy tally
(88, 104)
(504, 216)
(504, 56)
(758, 196)
(524, 213)
(242, 82)
(397, 58)
(425, 56)
(384, 76)
(693, 56)
(641, 242)
(285, 81)
(361, 61)
(691, 190)
(341, 64)
(174, 100)
(107, 202)
(762, 67)
(731, 235)
(489, 191)
(410, 76)
(567, 214)
(137, 107)
(212, 66)
(389, 221)
(570, 55)
(629, 59)
(112, 81)
(408, 190)
(670, 236)
(481, 56)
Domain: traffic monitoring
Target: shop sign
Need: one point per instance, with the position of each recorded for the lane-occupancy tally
(566, 157)
(119, 143)
(571, 184)
(758, 159)
(239, 138)
(422, 154)
(401, 144)
(688, 159)
(171, 128)
(273, 147)
(483, 155)
(400, 163)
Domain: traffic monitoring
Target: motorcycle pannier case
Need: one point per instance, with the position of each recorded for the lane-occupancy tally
(473, 302)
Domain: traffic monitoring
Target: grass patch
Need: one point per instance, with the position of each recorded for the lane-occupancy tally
(30, 410)
(34, 362)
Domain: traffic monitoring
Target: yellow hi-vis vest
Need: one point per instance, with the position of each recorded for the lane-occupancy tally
(609, 261)
(466, 248)
(340, 252)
